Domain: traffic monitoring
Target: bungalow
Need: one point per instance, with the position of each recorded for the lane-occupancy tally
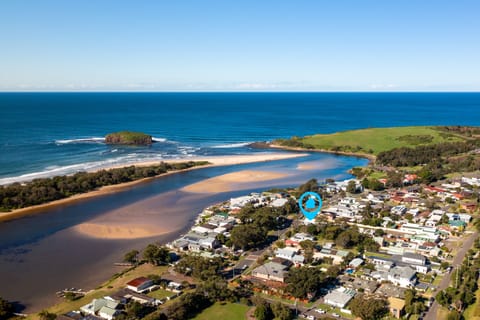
(398, 210)
(471, 181)
(102, 307)
(271, 271)
(286, 253)
(140, 284)
(355, 263)
(297, 238)
(459, 216)
(409, 178)
(339, 297)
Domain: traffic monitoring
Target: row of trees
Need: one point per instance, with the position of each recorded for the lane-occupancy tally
(408, 157)
(44, 190)
(465, 283)
(257, 222)
(344, 235)
(267, 311)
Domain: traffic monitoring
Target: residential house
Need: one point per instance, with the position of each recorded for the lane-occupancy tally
(140, 284)
(102, 307)
(402, 276)
(339, 297)
(271, 271)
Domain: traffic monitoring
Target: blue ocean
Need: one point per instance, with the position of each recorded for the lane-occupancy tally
(46, 134)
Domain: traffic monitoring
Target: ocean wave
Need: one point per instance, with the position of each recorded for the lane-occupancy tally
(231, 145)
(155, 139)
(81, 140)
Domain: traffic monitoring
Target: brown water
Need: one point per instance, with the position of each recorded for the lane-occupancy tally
(43, 253)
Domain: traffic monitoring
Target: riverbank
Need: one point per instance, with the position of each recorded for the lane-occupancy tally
(213, 162)
(371, 158)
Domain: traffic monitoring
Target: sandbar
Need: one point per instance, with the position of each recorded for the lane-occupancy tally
(104, 231)
(232, 181)
(214, 161)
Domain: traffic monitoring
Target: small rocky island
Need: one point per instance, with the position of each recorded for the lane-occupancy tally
(129, 138)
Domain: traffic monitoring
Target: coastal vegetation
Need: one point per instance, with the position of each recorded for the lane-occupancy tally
(372, 141)
(129, 138)
(6, 309)
(39, 191)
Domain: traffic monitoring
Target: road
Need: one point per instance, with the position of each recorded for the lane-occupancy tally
(467, 245)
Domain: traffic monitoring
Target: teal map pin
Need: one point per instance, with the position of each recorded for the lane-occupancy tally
(312, 205)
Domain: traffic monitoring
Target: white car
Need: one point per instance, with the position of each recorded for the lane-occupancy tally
(320, 311)
(336, 315)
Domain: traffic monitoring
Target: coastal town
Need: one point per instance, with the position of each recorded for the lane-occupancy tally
(381, 253)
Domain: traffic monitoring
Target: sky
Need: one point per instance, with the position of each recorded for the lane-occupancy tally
(268, 45)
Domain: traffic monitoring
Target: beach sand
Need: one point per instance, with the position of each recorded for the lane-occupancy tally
(214, 161)
(112, 231)
(232, 181)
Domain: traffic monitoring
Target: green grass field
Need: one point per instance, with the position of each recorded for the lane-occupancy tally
(375, 140)
(230, 311)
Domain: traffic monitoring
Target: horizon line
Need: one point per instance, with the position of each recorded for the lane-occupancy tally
(233, 91)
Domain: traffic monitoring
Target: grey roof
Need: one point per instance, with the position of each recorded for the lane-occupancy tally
(340, 296)
(402, 272)
(412, 255)
(356, 262)
(271, 268)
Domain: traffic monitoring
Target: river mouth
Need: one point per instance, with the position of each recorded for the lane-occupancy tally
(76, 245)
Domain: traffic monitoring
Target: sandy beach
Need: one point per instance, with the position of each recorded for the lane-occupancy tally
(214, 161)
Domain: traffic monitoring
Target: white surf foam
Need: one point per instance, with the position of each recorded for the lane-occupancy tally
(231, 145)
(158, 139)
(81, 140)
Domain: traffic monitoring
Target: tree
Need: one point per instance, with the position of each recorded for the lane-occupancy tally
(156, 255)
(263, 312)
(45, 315)
(303, 282)
(369, 308)
(6, 309)
(131, 256)
(281, 311)
(352, 186)
(247, 236)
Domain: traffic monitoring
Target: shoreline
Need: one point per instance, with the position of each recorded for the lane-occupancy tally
(215, 161)
(370, 157)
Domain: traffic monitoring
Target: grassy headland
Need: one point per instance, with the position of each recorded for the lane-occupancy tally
(429, 152)
(372, 141)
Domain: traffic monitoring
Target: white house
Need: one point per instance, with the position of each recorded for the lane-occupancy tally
(139, 284)
(339, 297)
(402, 276)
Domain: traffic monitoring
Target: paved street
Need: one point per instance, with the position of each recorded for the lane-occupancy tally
(467, 245)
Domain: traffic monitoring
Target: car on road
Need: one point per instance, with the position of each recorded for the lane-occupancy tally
(321, 311)
(336, 315)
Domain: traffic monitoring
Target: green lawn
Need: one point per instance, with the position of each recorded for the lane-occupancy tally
(230, 311)
(375, 140)
(160, 294)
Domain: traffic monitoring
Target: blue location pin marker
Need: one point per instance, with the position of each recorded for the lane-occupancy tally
(310, 210)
